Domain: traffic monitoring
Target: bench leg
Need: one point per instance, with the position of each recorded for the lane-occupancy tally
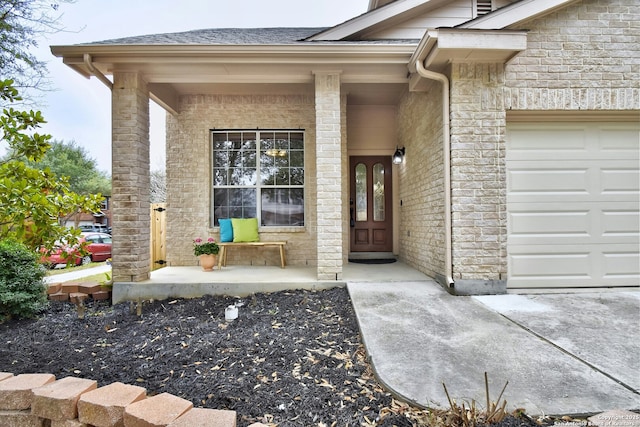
(283, 260)
(221, 255)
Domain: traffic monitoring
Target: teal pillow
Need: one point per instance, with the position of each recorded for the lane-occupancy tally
(245, 229)
(226, 230)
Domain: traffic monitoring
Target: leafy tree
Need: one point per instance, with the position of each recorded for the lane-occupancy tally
(33, 201)
(21, 23)
(73, 161)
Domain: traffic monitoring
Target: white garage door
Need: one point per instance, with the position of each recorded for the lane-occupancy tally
(573, 205)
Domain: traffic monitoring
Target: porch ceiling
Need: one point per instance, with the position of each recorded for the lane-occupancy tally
(357, 93)
(370, 73)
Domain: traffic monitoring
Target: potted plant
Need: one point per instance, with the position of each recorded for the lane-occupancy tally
(207, 251)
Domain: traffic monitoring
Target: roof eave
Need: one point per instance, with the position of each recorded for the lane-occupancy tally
(442, 46)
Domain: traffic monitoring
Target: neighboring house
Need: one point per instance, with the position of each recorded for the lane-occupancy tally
(519, 121)
(101, 218)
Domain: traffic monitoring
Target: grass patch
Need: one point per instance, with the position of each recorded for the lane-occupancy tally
(56, 271)
(96, 278)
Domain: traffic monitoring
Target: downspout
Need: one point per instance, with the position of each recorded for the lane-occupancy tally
(89, 63)
(446, 147)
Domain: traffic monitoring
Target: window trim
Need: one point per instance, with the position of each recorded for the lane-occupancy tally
(259, 186)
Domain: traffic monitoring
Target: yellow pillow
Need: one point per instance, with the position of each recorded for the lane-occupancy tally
(245, 229)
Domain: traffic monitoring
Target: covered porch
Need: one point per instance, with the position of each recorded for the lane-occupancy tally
(242, 280)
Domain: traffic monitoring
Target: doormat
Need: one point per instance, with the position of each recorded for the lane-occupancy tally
(373, 261)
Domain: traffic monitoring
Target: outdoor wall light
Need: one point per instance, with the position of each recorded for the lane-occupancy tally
(398, 156)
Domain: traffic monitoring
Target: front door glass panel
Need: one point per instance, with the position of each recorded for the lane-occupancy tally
(378, 192)
(361, 192)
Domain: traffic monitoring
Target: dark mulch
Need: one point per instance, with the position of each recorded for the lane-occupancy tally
(290, 359)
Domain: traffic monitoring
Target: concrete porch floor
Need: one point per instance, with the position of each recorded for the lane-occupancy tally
(242, 280)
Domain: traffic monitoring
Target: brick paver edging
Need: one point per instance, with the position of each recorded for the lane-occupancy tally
(30, 400)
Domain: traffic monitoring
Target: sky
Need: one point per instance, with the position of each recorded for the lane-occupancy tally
(79, 109)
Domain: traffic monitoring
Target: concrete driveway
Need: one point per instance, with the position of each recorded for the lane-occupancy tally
(561, 353)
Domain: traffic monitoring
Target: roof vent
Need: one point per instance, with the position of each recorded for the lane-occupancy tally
(483, 7)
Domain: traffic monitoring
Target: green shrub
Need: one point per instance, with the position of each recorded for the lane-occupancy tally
(22, 290)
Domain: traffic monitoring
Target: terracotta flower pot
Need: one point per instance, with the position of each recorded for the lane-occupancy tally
(208, 261)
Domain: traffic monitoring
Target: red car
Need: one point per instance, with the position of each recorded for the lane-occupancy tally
(98, 247)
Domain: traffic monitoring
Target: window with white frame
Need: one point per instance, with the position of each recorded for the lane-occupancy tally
(258, 173)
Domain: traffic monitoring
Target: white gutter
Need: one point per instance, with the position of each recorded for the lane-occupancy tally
(88, 62)
(446, 147)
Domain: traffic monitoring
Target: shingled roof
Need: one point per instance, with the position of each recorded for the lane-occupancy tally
(221, 36)
(235, 36)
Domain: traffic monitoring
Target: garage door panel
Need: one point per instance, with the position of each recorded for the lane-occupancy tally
(573, 198)
(614, 141)
(548, 226)
(567, 263)
(621, 223)
(621, 265)
(565, 182)
(566, 266)
(528, 143)
(577, 223)
(547, 181)
(620, 181)
(577, 141)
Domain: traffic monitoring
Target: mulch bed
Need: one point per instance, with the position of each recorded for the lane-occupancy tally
(290, 359)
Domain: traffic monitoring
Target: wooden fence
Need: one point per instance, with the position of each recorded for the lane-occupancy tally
(158, 235)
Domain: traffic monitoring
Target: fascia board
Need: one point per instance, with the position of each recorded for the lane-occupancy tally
(515, 13)
(426, 45)
(367, 20)
(178, 53)
(144, 58)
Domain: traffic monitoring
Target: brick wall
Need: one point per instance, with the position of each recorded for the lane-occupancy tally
(421, 181)
(131, 182)
(31, 400)
(189, 172)
(478, 199)
(330, 153)
(345, 178)
(583, 57)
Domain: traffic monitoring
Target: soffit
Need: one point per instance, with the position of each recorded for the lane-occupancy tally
(441, 47)
(375, 73)
(356, 93)
(242, 64)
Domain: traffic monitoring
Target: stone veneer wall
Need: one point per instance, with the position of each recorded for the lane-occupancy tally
(131, 182)
(345, 179)
(583, 57)
(330, 153)
(189, 172)
(421, 177)
(478, 186)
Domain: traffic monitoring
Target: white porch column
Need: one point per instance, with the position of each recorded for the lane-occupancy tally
(329, 175)
(130, 178)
